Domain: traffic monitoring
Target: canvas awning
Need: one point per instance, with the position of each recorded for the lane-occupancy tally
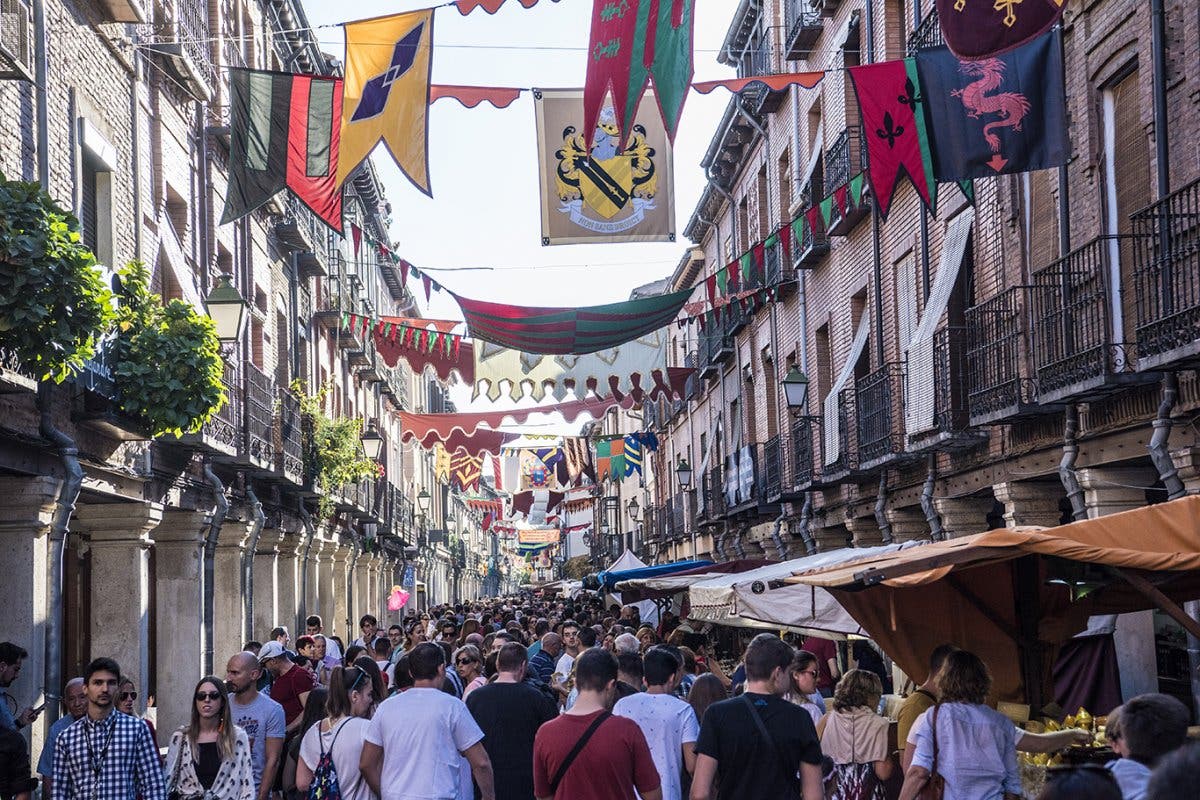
(658, 587)
(1007, 594)
(760, 598)
(610, 578)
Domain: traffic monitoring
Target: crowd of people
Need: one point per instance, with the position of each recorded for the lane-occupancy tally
(521, 698)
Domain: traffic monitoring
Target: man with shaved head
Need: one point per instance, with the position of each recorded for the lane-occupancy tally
(260, 716)
(541, 665)
(74, 702)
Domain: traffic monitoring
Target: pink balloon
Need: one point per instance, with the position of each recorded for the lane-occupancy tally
(397, 599)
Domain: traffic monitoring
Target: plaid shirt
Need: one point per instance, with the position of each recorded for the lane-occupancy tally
(113, 759)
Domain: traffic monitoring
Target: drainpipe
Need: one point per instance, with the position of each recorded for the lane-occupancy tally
(719, 542)
(64, 505)
(248, 560)
(1158, 53)
(936, 531)
(310, 531)
(209, 565)
(777, 538)
(881, 519)
(810, 544)
(351, 581)
(41, 73)
(738, 547)
(135, 152)
(1066, 468)
(1162, 434)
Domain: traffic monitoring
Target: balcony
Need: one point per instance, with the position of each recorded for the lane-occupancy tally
(951, 418)
(845, 158)
(1167, 277)
(834, 470)
(257, 450)
(14, 379)
(288, 439)
(927, 35)
(715, 348)
(778, 273)
(804, 466)
(183, 44)
(99, 406)
(813, 245)
(714, 494)
(997, 350)
(880, 417)
(760, 58)
(1075, 353)
(772, 469)
(300, 231)
(804, 26)
(220, 436)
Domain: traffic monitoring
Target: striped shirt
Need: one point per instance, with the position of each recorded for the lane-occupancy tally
(110, 759)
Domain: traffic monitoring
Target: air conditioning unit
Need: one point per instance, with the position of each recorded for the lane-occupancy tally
(16, 42)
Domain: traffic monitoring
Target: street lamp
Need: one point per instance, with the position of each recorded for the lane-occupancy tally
(633, 509)
(795, 388)
(372, 443)
(226, 307)
(423, 502)
(684, 472)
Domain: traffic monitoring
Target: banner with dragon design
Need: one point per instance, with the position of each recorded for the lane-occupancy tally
(619, 190)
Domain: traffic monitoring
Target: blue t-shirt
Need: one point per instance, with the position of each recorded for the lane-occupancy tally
(261, 720)
(46, 761)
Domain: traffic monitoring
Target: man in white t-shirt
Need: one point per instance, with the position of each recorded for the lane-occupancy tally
(571, 648)
(668, 723)
(417, 740)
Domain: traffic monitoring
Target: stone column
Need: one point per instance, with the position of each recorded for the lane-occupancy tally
(962, 516)
(228, 599)
(1109, 490)
(1187, 461)
(373, 599)
(907, 523)
(340, 608)
(312, 586)
(120, 612)
(179, 598)
(266, 585)
(24, 589)
(328, 610)
(1030, 502)
(291, 551)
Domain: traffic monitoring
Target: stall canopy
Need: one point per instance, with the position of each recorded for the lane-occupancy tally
(1014, 596)
(610, 578)
(658, 588)
(760, 598)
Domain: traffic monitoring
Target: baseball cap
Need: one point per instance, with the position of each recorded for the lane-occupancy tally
(270, 650)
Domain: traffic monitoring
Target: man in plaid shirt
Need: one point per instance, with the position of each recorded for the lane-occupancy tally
(106, 755)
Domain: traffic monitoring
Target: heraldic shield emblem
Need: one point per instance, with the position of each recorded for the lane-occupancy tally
(616, 191)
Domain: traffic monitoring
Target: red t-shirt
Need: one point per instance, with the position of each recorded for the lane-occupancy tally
(824, 650)
(615, 760)
(287, 688)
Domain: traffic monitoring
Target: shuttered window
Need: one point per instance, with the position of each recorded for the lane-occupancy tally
(1131, 181)
(88, 206)
(1041, 218)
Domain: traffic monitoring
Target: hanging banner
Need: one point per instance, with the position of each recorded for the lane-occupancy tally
(528, 536)
(998, 116)
(388, 64)
(977, 29)
(613, 192)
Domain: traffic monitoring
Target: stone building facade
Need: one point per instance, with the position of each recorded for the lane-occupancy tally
(175, 552)
(1062, 382)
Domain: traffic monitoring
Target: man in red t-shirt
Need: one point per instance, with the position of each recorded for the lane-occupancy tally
(291, 684)
(826, 653)
(613, 762)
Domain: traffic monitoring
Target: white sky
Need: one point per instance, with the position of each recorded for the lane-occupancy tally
(483, 162)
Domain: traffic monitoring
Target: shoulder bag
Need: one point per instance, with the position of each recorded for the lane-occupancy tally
(936, 787)
(575, 751)
(185, 750)
(788, 771)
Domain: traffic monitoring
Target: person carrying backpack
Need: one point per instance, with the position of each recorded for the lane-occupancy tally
(330, 750)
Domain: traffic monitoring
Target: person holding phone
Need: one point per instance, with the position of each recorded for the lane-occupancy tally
(11, 658)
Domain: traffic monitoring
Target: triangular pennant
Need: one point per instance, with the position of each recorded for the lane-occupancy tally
(723, 281)
(784, 236)
(856, 189)
(345, 320)
(827, 211)
(812, 216)
(613, 64)
(427, 282)
(759, 253)
(839, 197)
(710, 287)
(356, 236)
(403, 272)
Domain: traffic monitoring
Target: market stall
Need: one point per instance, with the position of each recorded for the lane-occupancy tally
(662, 586)
(760, 598)
(1015, 596)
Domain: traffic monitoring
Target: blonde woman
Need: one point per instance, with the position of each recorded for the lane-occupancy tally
(856, 739)
(469, 665)
(210, 757)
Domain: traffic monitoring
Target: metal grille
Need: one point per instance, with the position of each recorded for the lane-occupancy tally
(839, 467)
(995, 347)
(192, 33)
(16, 55)
(927, 35)
(1074, 351)
(226, 425)
(803, 28)
(878, 416)
(772, 468)
(803, 461)
(260, 392)
(845, 158)
(950, 379)
(291, 440)
(1167, 276)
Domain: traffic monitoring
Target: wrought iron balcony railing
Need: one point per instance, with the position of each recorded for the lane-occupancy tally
(1167, 277)
(880, 416)
(259, 417)
(289, 438)
(951, 429)
(804, 466)
(845, 158)
(927, 35)
(804, 27)
(1075, 352)
(1000, 390)
(772, 469)
(837, 467)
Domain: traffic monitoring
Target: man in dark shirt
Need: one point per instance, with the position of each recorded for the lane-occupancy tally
(542, 664)
(510, 712)
(732, 746)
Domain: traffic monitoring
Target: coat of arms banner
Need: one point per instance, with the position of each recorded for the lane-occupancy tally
(620, 191)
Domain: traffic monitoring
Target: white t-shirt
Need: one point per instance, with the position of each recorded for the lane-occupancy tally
(345, 741)
(423, 733)
(667, 723)
(565, 662)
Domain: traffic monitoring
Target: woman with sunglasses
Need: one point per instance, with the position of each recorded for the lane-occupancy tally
(341, 733)
(210, 756)
(805, 673)
(468, 663)
(127, 704)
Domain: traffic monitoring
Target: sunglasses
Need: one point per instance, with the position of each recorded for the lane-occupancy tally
(128, 695)
(463, 661)
(202, 696)
(362, 673)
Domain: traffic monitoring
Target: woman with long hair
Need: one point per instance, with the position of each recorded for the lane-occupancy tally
(314, 712)
(210, 756)
(975, 745)
(341, 733)
(470, 625)
(369, 665)
(127, 704)
(855, 738)
(804, 673)
(415, 634)
(707, 689)
(469, 665)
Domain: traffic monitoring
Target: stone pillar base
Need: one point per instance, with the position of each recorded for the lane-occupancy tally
(1030, 502)
(963, 516)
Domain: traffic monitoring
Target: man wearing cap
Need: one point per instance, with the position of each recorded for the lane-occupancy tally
(291, 684)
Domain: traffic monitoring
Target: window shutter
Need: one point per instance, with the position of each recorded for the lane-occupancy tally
(1043, 220)
(831, 429)
(1132, 180)
(88, 218)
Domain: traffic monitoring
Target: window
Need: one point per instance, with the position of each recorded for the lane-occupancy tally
(97, 160)
(824, 361)
(1040, 218)
(785, 185)
(88, 215)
